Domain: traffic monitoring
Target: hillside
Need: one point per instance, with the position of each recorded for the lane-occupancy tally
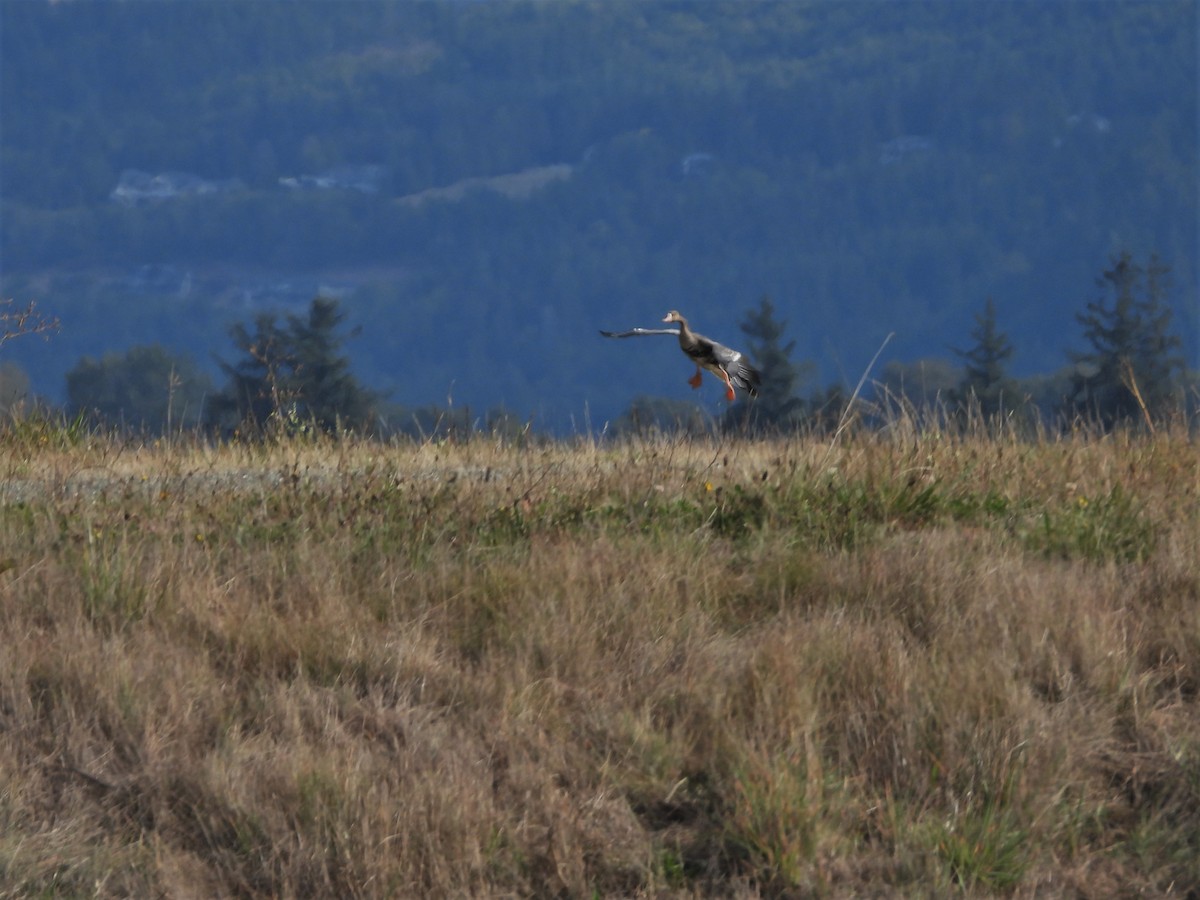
(874, 168)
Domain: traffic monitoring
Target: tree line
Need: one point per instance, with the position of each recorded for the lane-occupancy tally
(292, 373)
(883, 166)
(1131, 370)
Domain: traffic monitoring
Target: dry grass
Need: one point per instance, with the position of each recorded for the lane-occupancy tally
(905, 666)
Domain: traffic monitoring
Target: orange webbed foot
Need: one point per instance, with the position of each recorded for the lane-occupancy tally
(694, 381)
(730, 395)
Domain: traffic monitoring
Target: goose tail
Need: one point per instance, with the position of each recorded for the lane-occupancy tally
(748, 378)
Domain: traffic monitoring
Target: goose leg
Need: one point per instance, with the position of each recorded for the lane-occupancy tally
(694, 381)
(729, 394)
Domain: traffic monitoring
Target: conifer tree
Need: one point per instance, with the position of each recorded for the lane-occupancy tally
(777, 405)
(985, 384)
(292, 374)
(1134, 366)
(258, 387)
(326, 391)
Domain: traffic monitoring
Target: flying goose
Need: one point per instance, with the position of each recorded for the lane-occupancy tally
(727, 364)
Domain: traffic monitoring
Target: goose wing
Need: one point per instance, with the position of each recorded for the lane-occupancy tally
(708, 352)
(723, 356)
(638, 332)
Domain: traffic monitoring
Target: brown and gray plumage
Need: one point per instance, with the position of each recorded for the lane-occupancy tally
(726, 363)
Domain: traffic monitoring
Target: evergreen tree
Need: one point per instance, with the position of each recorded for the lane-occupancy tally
(326, 392)
(258, 387)
(985, 384)
(777, 405)
(1135, 364)
(293, 374)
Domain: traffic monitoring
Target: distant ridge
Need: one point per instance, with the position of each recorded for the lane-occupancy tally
(514, 185)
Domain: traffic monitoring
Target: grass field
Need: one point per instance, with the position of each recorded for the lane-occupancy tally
(898, 665)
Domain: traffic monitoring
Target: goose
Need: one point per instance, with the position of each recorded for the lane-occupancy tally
(726, 363)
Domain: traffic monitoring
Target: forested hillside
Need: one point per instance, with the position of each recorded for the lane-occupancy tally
(486, 184)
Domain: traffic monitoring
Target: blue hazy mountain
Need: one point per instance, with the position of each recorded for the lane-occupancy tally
(485, 185)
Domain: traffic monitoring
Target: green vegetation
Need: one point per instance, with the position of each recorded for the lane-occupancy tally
(908, 663)
(144, 389)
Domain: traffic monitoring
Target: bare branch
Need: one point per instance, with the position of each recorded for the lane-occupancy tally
(16, 321)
